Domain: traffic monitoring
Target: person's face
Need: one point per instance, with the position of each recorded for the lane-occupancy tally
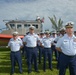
(31, 31)
(41, 35)
(69, 30)
(15, 37)
(62, 32)
(47, 35)
(54, 34)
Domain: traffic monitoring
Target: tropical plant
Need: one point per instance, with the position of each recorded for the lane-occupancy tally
(56, 24)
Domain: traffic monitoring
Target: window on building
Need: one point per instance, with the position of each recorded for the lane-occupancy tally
(19, 26)
(12, 26)
(36, 26)
(26, 25)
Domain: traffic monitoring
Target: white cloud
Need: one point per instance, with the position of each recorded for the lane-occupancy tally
(64, 9)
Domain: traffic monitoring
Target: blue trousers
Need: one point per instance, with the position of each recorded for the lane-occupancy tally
(32, 54)
(54, 50)
(25, 49)
(47, 53)
(58, 62)
(16, 57)
(40, 53)
(67, 61)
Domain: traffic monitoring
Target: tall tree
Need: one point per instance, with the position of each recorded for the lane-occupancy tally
(56, 24)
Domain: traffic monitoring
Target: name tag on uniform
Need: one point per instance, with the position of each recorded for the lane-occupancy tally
(28, 36)
(65, 41)
(17, 42)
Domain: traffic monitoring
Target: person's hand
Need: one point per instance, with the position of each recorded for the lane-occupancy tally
(6, 46)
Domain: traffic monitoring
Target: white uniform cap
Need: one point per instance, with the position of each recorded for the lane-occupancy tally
(70, 22)
(54, 32)
(32, 27)
(41, 32)
(62, 29)
(47, 32)
(15, 33)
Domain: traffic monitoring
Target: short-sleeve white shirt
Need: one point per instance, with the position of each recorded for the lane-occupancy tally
(31, 40)
(67, 45)
(15, 44)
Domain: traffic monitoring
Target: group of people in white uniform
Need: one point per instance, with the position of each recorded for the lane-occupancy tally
(44, 44)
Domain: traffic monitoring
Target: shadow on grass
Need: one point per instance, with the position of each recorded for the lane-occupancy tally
(5, 64)
(8, 69)
(5, 67)
(5, 56)
(4, 49)
(54, 65)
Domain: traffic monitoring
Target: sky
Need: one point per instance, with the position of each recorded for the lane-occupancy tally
(29, 9)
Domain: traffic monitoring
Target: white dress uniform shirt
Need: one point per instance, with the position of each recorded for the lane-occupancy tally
(46, 42)
(31, 40)
(58, 37)
(15, 44)
(53, 39)
(40, 39)
(67, 45)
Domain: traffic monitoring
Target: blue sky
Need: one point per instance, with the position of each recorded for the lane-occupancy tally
(29, 9)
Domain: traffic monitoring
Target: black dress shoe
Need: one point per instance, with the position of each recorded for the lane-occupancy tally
(21, 72)
(11, 73)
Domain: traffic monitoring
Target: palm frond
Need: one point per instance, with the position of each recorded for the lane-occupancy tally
(60, 22)
(56, 25)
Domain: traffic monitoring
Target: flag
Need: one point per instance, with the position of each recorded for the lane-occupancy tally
(42, 20)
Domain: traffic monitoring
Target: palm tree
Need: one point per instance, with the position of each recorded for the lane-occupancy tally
(57, 25)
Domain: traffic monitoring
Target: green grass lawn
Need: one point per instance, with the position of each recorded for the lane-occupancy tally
(5, 66)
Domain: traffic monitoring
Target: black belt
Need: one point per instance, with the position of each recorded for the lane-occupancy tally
(47, 48)
(31, 47)
(69, 55)
(15, 51)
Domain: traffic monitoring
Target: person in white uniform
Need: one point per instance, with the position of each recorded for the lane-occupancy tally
(30, 41)
(53, 47)
(62, 33)
(67, 46)
(15, 44)
(47, 52)
(40, 47)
